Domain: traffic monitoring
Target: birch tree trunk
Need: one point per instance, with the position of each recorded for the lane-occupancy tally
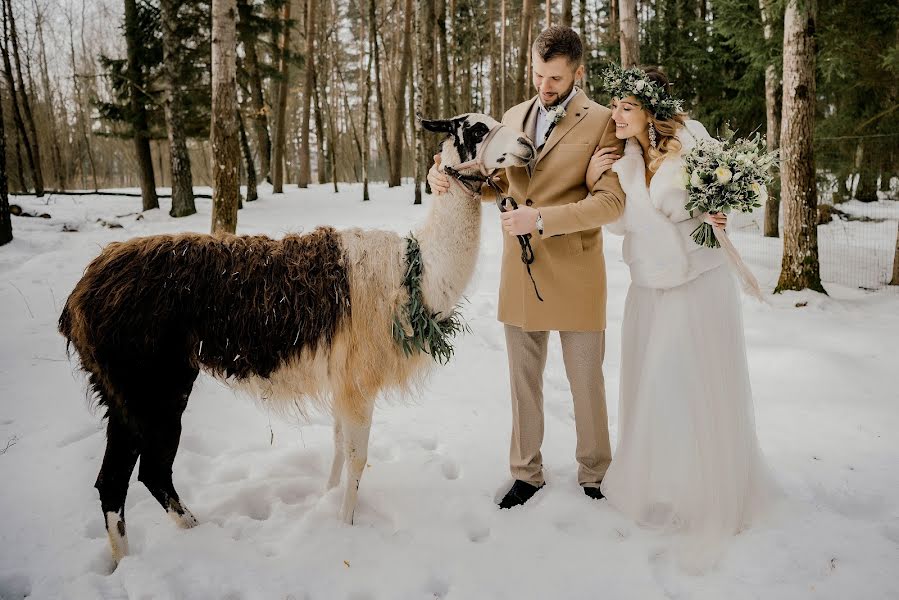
(224, 131)
(800, 268)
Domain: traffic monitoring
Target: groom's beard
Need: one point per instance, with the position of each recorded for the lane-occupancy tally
(561, 97)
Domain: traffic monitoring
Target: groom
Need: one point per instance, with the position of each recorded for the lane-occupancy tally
(564, 219)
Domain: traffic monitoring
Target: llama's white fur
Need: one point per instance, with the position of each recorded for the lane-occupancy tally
(363, 360)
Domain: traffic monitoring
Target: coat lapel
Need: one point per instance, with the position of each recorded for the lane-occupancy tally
(575, 112)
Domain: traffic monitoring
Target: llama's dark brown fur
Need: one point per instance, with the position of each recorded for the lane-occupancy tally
(149, 313)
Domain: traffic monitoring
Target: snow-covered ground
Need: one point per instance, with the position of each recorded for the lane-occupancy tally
(827, 399)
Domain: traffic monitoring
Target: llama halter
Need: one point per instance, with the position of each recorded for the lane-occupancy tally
(527, 252)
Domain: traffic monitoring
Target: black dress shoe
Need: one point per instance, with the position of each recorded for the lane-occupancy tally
(594, 492)
(520, 493)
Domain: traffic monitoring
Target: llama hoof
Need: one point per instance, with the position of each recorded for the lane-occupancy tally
(184, 520)
(118, 540)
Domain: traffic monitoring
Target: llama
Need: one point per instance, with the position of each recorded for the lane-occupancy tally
(307, 321)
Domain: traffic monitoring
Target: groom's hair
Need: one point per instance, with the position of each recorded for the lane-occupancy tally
(555, 41)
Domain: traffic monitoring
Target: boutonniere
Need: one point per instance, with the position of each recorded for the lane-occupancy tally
(558, 113)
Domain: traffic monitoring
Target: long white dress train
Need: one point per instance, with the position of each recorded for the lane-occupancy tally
(687, 459)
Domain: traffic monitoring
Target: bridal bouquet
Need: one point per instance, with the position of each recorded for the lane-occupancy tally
(726, 175)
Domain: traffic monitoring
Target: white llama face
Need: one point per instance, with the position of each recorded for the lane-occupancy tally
(467, 133)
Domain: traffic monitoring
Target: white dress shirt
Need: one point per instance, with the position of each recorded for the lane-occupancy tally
(542, 120)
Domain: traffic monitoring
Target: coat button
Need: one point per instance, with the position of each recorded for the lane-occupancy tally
(528, 202)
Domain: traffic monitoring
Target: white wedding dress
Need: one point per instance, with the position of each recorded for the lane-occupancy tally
(687, 458)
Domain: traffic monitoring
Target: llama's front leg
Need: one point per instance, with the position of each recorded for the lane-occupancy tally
(355, 435)
(337, 465)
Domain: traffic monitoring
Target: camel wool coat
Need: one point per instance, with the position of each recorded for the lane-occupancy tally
(568, 268)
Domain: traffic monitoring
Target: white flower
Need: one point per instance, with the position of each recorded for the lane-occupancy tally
(760, 191)
(695, 179)
(683, 178)
(559, 115)
(723, 174)
(640, 85)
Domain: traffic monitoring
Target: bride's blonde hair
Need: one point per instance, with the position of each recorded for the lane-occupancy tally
(666, 129)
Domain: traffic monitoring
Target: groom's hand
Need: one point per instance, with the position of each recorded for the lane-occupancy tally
(438, 181)
(520, 221)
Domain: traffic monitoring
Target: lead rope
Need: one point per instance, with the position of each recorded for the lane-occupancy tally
(527, 252)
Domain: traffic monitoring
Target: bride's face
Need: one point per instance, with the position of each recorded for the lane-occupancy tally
(630, 118)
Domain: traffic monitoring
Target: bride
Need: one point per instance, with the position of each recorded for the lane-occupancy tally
(687, 459)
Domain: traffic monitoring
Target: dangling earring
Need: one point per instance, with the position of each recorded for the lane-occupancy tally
(652, 135)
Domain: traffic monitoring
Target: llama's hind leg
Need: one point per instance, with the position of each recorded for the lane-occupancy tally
(356, 430)
(112, 482)
(337, 464)
(161, 438)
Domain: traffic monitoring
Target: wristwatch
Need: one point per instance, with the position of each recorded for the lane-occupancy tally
(539, 223)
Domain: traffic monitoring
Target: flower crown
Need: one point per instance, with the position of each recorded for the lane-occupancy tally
(621, 83)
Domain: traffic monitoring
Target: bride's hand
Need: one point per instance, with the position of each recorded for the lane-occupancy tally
(717, 220)
(601, 161)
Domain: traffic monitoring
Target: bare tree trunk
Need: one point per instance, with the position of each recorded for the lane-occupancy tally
(447, 107)
(582, 24)
(281, 110)
(140, 125)
(524, 51)
(549, 16)
(321, 161)
(416, 102)
(260, 110)
(224, 131)
(502, 56)
(305, 151)
(895, 279)
(366, 117)
(55, 154)
(630, 42)
(800, 268)
(382, 118)
(14, 102)
(82, 117)
(772, 206)
(567, 16)
(867, 169)
(5, 218)
(252, 193)
(399, 111)
(26, 104)
(428, 106)
(179, 158)
(495, 81)
(19, 162)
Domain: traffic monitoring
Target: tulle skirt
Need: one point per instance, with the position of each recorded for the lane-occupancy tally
(688, 459)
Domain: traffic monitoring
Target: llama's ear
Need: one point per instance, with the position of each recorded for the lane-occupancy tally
(438, 125)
